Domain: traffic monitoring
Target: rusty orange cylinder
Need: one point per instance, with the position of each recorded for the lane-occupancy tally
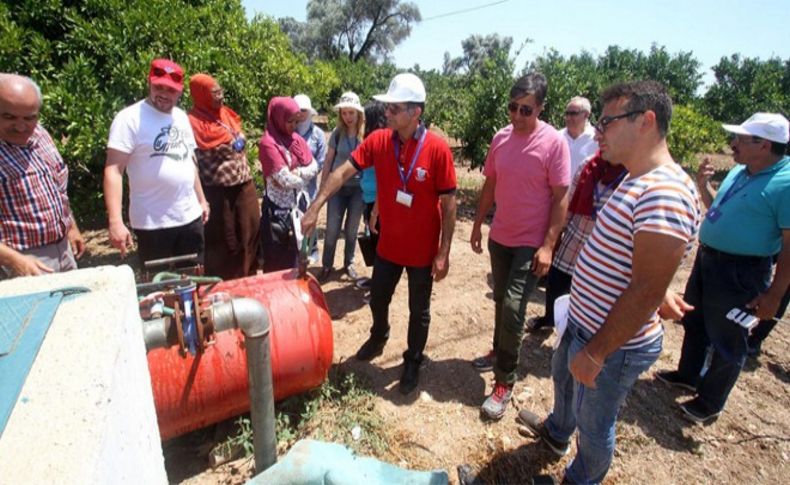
(194, 391)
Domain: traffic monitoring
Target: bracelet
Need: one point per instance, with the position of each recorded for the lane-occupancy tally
(598, 364)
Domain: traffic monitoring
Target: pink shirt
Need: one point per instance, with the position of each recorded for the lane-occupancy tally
(525, 168)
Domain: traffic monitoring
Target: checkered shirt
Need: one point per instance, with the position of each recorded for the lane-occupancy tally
(34, 205)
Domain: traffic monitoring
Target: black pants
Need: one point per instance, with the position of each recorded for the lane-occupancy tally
(385, 278)
(558, 283)
(761, 331)
(172, 241)
(719, 282)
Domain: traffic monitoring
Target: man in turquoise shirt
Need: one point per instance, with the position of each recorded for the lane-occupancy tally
(730, 287)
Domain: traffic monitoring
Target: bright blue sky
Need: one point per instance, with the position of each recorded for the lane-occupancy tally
(710, 29)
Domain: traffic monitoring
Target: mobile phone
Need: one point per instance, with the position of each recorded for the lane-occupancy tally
(744, 318)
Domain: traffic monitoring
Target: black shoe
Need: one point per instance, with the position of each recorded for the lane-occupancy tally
(695, 410)
(543, 480)
(410, 377)
(370, 349)
(323, 275)
(672, 377)
(537, 428)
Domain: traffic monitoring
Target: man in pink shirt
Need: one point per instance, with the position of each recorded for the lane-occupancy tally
(527, 175)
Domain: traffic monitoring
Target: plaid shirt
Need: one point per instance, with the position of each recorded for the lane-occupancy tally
(34, 206)
(577, 229)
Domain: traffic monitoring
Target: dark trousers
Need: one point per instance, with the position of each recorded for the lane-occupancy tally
(761, 331)
(279, 250)
(172, 241)
(232, 231)
(514, 281)
(558, 283)
(718, 283)
(386, 275)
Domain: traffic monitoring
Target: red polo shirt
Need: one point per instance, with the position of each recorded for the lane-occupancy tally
(409, 235)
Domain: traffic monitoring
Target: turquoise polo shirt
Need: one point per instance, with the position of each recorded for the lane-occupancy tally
(751, 220)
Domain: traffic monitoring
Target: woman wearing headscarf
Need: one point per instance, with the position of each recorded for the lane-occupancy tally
(288, 165)
(594, 182)
(232, 233)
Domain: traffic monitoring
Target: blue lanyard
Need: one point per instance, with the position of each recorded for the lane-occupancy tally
(737, 185)
(597, 195)
(405, 177)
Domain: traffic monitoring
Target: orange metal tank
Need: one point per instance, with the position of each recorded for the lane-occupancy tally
(193, 392)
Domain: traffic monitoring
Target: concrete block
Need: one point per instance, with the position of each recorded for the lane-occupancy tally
(86, 412)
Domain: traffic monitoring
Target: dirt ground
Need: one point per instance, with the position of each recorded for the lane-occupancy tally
(440, 421)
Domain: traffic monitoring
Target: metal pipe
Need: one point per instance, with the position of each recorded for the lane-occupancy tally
(155, 333)
(251, 317)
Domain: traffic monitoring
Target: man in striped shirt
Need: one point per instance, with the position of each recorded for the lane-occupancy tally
(640, 237)
(37, 231)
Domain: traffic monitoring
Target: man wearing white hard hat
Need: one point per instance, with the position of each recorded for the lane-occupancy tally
(416, 184)
(316, 140)
(747, 225)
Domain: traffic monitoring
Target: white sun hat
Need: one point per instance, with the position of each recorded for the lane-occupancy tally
(305, 104)
(770, 126)
(404, 88)
(349, 100)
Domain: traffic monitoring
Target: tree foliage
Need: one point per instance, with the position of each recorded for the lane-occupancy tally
(354, 29)
(745, 86)
(476, 49)
(585, 75)
(91, 59)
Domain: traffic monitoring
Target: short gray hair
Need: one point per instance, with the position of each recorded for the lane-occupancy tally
(9, 78)
(582, 102)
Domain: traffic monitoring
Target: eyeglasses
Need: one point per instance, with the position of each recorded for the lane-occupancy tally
(607, 120)
(571, 112)
(746, 139)
(175, 76)
(523, 109)
(394, 109)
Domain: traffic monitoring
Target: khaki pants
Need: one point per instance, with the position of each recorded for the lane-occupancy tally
(57, 256)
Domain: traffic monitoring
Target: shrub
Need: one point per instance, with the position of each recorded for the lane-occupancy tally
(692, 133)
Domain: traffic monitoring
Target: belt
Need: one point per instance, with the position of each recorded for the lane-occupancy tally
(732, 257)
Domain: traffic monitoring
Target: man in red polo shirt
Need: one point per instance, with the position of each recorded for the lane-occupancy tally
(415, 180)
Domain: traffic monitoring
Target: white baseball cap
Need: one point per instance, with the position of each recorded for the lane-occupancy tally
(304, 103)
(770, 126)
(404, 88)
(349, 100)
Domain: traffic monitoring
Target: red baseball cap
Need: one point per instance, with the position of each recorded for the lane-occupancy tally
(165, 72)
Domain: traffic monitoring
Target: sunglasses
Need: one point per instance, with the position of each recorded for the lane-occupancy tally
(571, 112)
(523, 109)
(159, 72)
(607, 120)
(394, 109)
(745, 139)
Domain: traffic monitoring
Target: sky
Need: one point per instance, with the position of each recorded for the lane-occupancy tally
(709, 29)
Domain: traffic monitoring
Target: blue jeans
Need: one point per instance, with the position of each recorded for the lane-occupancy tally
(592, 411)
(346, 202)
(718, 283)
(511, 269)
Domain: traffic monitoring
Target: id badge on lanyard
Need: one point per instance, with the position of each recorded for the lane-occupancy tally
(403, 196)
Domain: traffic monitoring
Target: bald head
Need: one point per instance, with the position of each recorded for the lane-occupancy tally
(20, 102)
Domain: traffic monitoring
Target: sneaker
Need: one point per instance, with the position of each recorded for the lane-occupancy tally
(485, 363)
(323, 275)
(695, 410)
(410, 376)
(351, 272)
(370, 349)
(537, 427)
(672, 377)
(362, 283)
(538, 323)
(496, 404)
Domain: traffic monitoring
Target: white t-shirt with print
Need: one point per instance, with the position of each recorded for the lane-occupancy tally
(161, 168)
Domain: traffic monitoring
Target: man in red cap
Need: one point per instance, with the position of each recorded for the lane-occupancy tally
(152, 141)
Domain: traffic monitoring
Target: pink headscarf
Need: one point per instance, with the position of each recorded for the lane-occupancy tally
(276, 140)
